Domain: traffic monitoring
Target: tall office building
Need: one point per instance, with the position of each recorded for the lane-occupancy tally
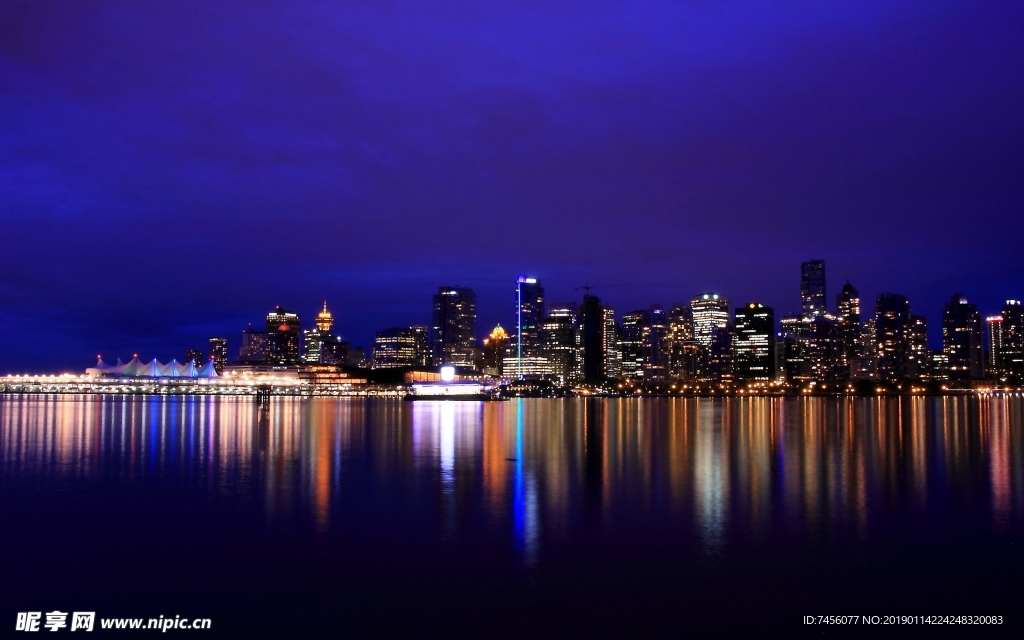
(710, 311)
(892, 336)
(1012, 354)
(394, 348)
(422, 334)
(560, 336)
(195, 356)
(453, 331)
(962, 339)
(283, 327)
(495, 346)
(593, 340)
(812, 287)
(848, 313)
(994, 362)
(720, 355)
(920, 366)
(654, 343)
(529, 315)
(631, 337)
(320, 344)
(612, 351)
(753, 347)
(219, 353)
(256, 347)
(684, 350)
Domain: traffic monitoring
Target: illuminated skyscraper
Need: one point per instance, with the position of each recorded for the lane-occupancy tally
(1012, 354)
(393, 348)
(920, 366)
(654, 343)
(812, 287)
(560, 336)
(892, 336)
(422, 333)
(710, 311)
(994, 365)
(684, 350)
(219, 353)
(256, 347)
(196, 356)
(753, 345)
(848, 312)
(453, 331)
(494, 351)
(962, 339)
(321, 346)
(284, 328)
(612, 351)
(631, 337)
(529, 314)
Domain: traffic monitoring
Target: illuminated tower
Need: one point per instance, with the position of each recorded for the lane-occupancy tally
(962, 340)
(529, 314)
(283, 327)
(684, 350)
(1012, 357)
(812, 287)
(892, 336)
(994, 325)
(324, 320)
(453, 331)
(754, 343)
(219, 353)
(710, 311)
(494, 351)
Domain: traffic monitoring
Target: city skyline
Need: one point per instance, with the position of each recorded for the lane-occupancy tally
(665, 148)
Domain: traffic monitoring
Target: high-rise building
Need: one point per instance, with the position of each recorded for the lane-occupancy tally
(422, 333)
(593, 340)
(813, 349)
(994, 364)
(612, 351)
(495, 345)
(892, 336)
(529, 315)
(560, 337)
(631, 337)
(962, 339)
(394, 348)
(284, 328)
(654, 344)
(753, 346)
(195, 356)
(684, 350)
(320, 345)
(848, 314)
(720, 368)
(256, 347)
(1012, 354)
(219, 353)
(710, 311)
(812, 287)
(453, 331)
(920, 366)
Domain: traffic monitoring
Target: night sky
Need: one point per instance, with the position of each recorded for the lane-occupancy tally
(171, 171)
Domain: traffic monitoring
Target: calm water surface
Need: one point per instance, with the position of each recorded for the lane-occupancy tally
(372, 518)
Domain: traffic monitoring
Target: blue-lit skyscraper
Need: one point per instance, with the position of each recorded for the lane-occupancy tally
(529, 317)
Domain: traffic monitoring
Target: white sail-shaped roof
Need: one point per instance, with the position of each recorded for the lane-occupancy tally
(153, 369)
(208, 370)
